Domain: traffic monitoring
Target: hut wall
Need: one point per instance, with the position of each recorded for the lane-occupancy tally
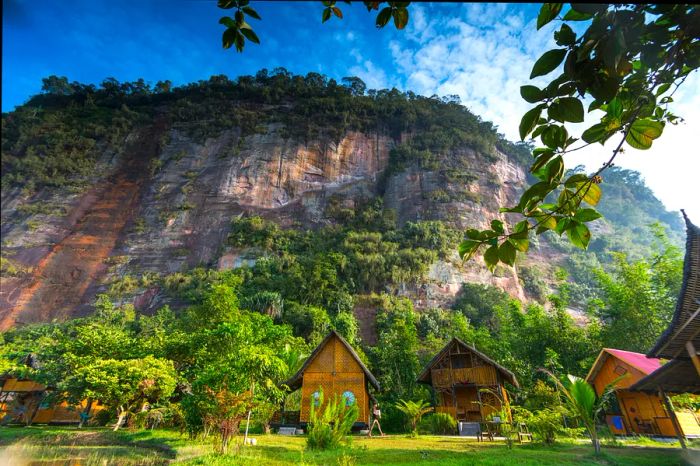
(638, 408)
(335, 371)
(612, 369)
(481, 375)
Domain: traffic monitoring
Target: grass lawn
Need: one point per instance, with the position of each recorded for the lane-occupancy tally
(70, 446)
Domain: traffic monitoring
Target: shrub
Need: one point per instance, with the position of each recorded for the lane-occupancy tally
(329, 424)
(545, 424)
(438, 424)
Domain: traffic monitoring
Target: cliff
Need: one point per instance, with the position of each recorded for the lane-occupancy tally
(160, 194)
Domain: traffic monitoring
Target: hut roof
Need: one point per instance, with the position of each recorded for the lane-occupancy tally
(641, 362)
(425, 376)
(677, 376)
(295, 381)
(685, 325)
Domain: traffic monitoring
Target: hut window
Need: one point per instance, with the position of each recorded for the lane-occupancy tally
(316, 397)
(349, 398)
(619, 370)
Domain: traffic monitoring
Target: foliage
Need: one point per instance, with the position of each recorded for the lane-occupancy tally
(330, 422)
(414, 411)
(545, 423)
(438, 424)
(638, 298)
(581, 402)
(227, 411)
(630, 60)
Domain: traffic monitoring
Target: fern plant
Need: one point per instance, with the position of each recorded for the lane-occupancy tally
(414, 411)
(328, 425)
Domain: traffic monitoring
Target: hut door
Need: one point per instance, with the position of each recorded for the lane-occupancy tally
(634, 415)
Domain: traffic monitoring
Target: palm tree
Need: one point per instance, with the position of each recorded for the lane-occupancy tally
(414, 410)
(582, 402)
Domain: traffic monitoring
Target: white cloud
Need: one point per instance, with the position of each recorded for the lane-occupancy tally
(486, 53)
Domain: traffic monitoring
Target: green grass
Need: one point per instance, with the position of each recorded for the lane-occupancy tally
(68, 445)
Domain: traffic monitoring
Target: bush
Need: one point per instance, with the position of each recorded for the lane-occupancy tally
(438, 424)
(545, 424)
(329, 425)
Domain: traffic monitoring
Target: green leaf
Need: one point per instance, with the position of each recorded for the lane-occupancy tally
(555, 169)
(554, 136)
(546, 222)
(579, 235)
(575, 180)
(596, 133)
(491, 257)
(643, 132)
(573, 15)
(383, 17)
(587, 215)
(548, 62)
(531, 94)
(467, 248)
(662, 88)
(515, 209)
(250, 35)
(400, 18)
(563, 224)
(473, 233)
(228, 37)
(251, 12)
(566, 109)
(326, 15)
(614, 108)
(497, 226)
(565, 35)
(548, 12)
(541, 160)
(507, 252)
(228, 22)
(226, 4)
(527, 124)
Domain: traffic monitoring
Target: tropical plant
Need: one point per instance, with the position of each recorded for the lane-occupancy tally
(329, 423)
(581, 401)
(439, 424)
(414, 411)
(228, 409)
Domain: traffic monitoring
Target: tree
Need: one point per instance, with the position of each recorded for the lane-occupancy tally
(123, 385)
(630, 61)
(582, 402)
(638, 297)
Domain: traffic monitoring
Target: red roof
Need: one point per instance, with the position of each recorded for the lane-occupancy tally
(637, 360)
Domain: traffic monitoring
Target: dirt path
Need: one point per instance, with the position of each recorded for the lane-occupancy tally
(62, 279)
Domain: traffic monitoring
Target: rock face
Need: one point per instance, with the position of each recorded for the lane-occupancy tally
(166, 206)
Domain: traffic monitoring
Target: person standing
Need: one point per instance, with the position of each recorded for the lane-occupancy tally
(376, 415)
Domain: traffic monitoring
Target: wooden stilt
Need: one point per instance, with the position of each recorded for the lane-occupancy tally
(672, 415)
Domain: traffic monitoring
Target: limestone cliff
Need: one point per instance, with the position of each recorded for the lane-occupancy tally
(165, 203)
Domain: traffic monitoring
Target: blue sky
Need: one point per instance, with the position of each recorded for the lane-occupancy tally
(481, 52)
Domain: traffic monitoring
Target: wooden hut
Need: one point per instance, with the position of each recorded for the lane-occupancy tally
(335, 368)
(467, 383)
(634, 412)
(24, 401)
(680, 343)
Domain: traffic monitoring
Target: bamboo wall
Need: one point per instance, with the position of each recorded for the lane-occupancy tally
(481, 375)
(335, 371)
